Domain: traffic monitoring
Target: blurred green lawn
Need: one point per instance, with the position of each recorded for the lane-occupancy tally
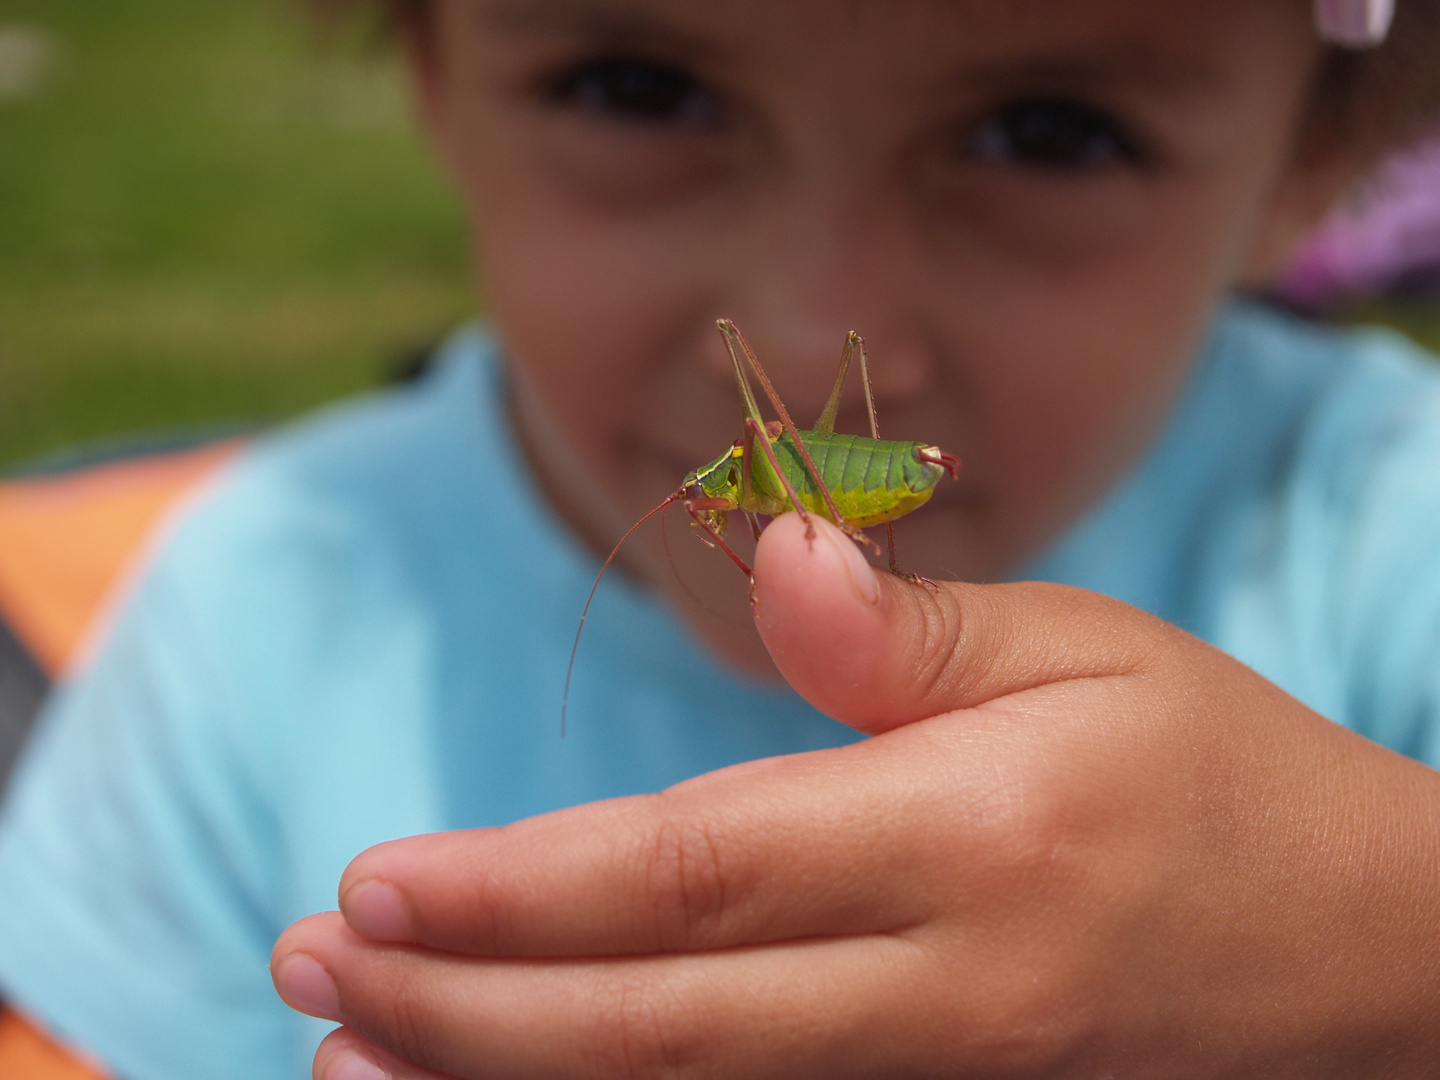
(205, 216)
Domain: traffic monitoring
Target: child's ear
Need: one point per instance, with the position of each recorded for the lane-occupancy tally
(1322, 170)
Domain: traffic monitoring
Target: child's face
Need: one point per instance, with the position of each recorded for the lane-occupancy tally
(1028, 208)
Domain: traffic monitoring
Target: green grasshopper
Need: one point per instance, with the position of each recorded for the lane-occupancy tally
(851, 480)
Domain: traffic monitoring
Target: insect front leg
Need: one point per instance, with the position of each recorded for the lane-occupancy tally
(738, 346)
(709, 514)
(756, 435)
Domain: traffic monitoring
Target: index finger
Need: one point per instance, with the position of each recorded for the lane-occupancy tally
(741, 856)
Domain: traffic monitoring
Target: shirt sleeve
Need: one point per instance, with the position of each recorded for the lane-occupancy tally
(1389, 579)
(267, 705)
(1330, 582)
(138, 865)
(262, 710)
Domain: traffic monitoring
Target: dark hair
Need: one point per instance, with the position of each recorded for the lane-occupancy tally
(1370, 101)
(1375, 100)
(385, 16)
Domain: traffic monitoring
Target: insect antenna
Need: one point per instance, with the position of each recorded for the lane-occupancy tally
(570, 667)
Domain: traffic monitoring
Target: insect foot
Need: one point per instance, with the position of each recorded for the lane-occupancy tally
(915, 579)
(858, 535)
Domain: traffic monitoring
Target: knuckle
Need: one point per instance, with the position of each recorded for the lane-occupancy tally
(488, 912)
(1029, 1010)
(1016, 848)
(1031, 1019)
(686, 882)
(1028, 836)
(1034, 850)
(637, 1036)
(406, 1028)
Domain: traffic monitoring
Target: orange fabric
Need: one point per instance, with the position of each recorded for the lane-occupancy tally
(64, 541)
(27, 1053)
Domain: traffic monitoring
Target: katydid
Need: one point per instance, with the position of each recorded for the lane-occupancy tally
(851, 480)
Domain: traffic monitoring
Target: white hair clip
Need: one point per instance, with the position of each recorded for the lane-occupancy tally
(1355, 24)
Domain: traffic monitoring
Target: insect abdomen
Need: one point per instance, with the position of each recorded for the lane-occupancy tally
(871, 480)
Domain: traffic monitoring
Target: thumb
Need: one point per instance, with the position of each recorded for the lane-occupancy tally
(876, 651)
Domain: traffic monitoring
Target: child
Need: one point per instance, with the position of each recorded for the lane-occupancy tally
(1083, 841)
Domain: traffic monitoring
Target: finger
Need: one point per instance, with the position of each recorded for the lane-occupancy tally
(344, 1055)
(724, 1014)
(739, 856)
(876, 651)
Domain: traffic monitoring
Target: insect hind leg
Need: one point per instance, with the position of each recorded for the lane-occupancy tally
(840, 523)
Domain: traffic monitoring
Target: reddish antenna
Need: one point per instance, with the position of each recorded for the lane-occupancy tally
(570, 667)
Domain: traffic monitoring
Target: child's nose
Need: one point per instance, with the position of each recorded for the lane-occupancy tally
(801, 354)
(808, 350)
(824, 267)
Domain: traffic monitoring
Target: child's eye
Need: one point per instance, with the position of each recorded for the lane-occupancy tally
(1052, 134)
(635, 90)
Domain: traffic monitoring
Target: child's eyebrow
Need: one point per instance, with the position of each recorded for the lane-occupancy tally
(590, 19)
(1142, 66)
(1169, 73)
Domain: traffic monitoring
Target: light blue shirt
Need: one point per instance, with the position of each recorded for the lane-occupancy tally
(363, 635)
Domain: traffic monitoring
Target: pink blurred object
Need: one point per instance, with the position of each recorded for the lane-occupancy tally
(1386, 235)
(1355, 24)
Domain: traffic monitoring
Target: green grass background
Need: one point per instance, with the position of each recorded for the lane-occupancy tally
(207, 216)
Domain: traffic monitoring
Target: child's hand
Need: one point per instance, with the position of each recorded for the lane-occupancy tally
(1086, 844)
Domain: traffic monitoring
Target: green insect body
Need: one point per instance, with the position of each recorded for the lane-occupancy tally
(871, 481)
(775, 467)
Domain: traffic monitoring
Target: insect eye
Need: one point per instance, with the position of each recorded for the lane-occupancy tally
(1053, 134)
(633, 89)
